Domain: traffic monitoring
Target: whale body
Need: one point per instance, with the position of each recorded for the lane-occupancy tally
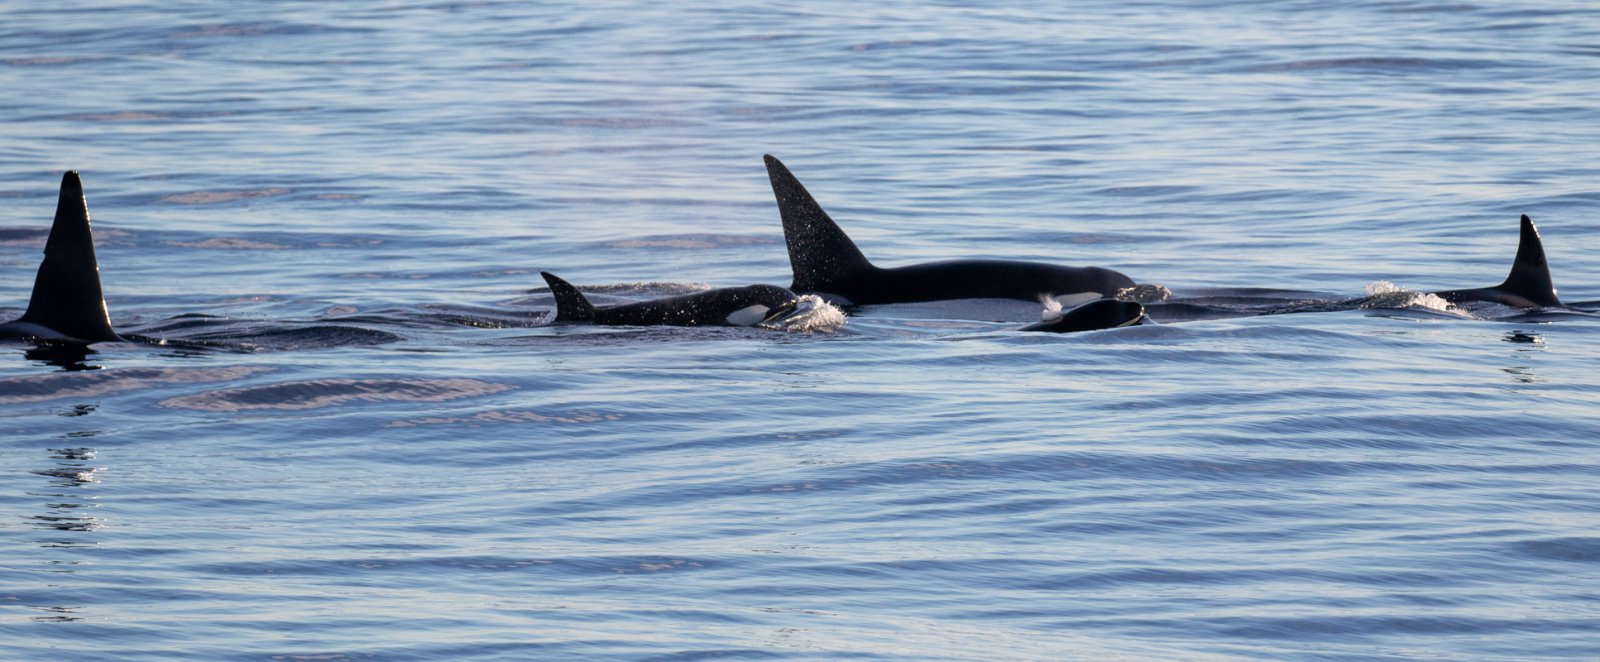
(826, 262)
(728, 306)
(1092, 316)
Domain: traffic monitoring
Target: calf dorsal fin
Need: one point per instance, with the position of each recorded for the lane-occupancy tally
(571, 305)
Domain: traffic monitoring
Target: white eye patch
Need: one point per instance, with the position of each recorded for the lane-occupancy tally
(748, 315)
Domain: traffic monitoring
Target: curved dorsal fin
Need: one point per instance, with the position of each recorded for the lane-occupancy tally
(571, 305)
(1530, 274)
(820, 254)
(66, 293)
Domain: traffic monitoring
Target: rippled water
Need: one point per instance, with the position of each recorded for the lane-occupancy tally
(349, 434)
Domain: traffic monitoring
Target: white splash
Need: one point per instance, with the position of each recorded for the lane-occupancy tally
(1145, 293)
(1384, 294)
(1382, 287)
(812, 313)
(1054, 304)
(1052, 308)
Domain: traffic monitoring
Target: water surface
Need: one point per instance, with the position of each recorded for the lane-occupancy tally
(360, 440)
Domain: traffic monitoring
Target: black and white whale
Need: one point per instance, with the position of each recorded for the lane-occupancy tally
(729, 306)
(1527, 286)
(67, 305)
(1098, 314)
(826, 262)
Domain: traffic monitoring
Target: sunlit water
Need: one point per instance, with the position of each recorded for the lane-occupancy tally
(360, 440)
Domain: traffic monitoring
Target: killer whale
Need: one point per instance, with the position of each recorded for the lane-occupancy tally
(67, 304)
(826, 262)
(1104, 313)
(1527, 286)
(728, 306)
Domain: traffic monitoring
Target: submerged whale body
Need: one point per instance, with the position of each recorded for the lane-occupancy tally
(826, 262)
(67, 305)
(728, 306)
(1092, 316)
(1527, 286)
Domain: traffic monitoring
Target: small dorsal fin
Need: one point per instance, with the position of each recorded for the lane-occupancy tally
(571, 305)
(820, 254)
(1530, 274)
(66, 293)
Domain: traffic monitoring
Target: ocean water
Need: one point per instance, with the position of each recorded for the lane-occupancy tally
(347, 432)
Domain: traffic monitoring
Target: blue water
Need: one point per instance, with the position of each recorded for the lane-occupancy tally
(360, 441)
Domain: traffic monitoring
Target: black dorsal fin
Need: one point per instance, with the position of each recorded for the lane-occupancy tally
(1530, 273)
(571, 305)
(820, 254)
(66, 293)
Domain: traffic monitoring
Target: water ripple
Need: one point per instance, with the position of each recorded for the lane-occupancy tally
(318, 393)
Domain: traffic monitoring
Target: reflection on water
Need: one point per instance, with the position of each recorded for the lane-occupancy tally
(57, 614)
(70, 357)
(1523, 374)
(1527, 342)
(68, 508)
(1524, 338)
(67, 513)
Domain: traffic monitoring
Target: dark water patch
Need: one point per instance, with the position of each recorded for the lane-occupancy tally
(319, 393)
(257, 29)
(1083, 466)
(149, 116)
(1392, 66)
(230, 244)
(693, 242)
(253, 336)
(402, 567)
(221, 197)
(31, 237)
(1400, 432)
(436, 316)
(513, 417)
(1574, 549)
(180, 322)
(1425, 7)
(1339, 628)
(51, 60)
(54, 386)
(1152, 191)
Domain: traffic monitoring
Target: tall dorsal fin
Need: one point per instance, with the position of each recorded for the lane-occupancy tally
(1530, 274)
(66, 293)
(820, 253)
(571, 305)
